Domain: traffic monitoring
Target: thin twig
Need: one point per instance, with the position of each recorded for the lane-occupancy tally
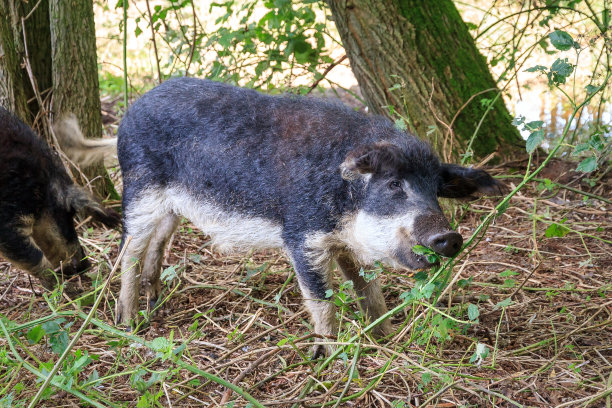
(159, 75)
(324, 74)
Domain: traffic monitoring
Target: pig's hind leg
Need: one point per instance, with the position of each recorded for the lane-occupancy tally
(152, 263)
(18, 246)
(142, 216)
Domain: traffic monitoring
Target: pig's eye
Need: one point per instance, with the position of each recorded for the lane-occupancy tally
(395, 185)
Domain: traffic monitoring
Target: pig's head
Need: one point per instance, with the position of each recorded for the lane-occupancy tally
(54, 230)
(399, 206)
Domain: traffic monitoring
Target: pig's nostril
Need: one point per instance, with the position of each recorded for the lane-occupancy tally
(447, 243)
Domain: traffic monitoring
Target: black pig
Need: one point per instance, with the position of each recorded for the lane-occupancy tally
(38, 201)
(256, 171)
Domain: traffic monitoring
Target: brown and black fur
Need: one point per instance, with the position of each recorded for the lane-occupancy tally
(38, 202)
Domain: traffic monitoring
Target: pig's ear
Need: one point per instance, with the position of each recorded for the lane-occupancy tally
(84, 204)
(370, 159)
(462, 182)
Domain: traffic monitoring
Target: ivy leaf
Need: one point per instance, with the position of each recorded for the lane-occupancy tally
(473, 311)
(561, 40)
(587, 165)
(534, 140)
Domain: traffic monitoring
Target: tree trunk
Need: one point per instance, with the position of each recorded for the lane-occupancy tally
(425, 47)
(75, 65)
(15, 85)
(75, 73)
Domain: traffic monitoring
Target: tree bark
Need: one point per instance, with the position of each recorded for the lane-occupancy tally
(425, 47)
(75, 65)
(75, 73)
(15, 85)
(61, 50)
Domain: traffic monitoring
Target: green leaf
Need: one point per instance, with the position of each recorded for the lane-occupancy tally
(508, 273)
(473, 311)
(464, 283)
(421, 275)
(587, 165)
(169, 274)
(580, 147)
(401, 124)
(534, 140)
(426, 378)
(508, 283)
(540, 68)
(428, 290)
(59, 342)
(160, 344)
(481, 352)
(421, 250)
(35, 334)
(591, 89)
(519, 120)
(559, 71)
(561, 40)
(556, 230)
(534, 125)
(596, 142)
(503, 208)
(504, 303)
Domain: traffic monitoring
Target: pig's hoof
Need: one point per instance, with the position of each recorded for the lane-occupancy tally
(382, 330)
(322, 350)
(125, 313)
(152, 292)
(318, 351)
(152, 303)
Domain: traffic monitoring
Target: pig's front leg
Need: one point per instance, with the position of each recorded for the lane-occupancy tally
(314, 278)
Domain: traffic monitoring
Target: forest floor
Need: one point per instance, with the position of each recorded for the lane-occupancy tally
(541, 336)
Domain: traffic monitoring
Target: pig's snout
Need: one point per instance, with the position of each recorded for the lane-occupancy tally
(76, 265)
(445, 243)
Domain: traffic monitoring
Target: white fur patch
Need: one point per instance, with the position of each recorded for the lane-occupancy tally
(228, 230)
(373, 238)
